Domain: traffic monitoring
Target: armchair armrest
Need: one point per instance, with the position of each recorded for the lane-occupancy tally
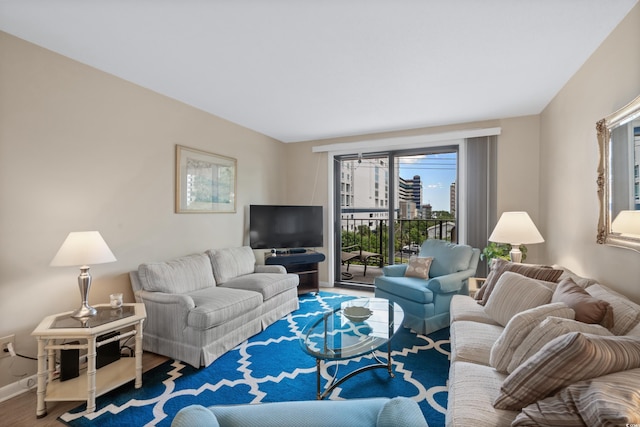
(395, 270)
(270, 269)
(450, 282)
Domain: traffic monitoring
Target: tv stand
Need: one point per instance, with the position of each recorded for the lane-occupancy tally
(304, 264)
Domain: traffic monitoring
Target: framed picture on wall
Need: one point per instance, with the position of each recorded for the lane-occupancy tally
(205, 182)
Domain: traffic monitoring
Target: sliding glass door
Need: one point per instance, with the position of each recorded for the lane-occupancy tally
(387, 204)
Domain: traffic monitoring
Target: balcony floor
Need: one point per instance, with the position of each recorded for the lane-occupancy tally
(358, 277)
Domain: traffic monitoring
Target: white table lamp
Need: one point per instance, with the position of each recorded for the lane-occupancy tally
(81, 248)
(627, 223)
(515, 228)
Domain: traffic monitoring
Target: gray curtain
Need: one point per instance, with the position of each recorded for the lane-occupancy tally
(481, 190)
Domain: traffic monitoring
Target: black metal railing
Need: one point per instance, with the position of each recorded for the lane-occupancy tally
(372, 235)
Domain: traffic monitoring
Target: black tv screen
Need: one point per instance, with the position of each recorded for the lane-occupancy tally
(278, 226)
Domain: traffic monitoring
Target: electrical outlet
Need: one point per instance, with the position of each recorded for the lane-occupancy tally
(4, 342)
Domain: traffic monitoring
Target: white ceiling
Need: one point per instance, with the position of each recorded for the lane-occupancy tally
(300, 70)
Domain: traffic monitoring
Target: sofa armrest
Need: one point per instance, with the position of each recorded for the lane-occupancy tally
(270, 269)
(161, 306)
(448, 283)
(395, 270)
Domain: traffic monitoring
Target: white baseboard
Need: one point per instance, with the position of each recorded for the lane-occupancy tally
(17, 388)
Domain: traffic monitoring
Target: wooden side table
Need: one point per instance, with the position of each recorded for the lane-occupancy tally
(475, 283)
(93, 383)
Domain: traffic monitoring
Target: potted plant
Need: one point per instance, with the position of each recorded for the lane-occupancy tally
(500, 250)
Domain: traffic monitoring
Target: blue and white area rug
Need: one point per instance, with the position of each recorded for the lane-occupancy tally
(272, 367)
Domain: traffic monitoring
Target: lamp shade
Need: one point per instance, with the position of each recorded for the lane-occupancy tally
(83, 248)
(515, 228)
(627, 223)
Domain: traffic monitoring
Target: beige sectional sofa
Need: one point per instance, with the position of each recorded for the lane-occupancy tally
(528, 356)
(202, 305)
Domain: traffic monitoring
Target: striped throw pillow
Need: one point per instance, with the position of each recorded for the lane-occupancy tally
(517, 330)
(610, 400)
(548, 330)
(514, 294)
(567, 359)
(626, 314)
(500, 266)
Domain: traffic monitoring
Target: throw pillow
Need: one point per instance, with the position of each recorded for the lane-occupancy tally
(514, 294)
(609, 400)
(546, 331)
(567, 359)
(418, 267)
(181, 275)
(500, 266)
(587, 308)
(230, 263)
(626, 314)
(517, 330)
(401, 411)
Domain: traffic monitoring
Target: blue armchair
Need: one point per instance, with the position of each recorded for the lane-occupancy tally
(426, 301)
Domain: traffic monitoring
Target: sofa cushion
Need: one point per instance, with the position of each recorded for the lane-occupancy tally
(626, 314)
(513, 294)
(463, 307)
(517, 330)
(500, 266)
(215, 306)
(587, 308)
(231, 262)
(418, 267)
(268, 284)
(472, 341)
(610, 400)
(178, 276)
(410, 288)
(546, 331)
(401, 411)
(567, 359)
(472, 390)
(634, 332)
(447, 257)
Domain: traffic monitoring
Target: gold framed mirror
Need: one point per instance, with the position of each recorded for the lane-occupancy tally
(619, 177)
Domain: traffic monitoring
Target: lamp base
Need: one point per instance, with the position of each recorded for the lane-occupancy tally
(84, 284)
(515, 254)
(85, 311)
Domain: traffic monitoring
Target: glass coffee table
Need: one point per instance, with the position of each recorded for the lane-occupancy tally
(356, 328)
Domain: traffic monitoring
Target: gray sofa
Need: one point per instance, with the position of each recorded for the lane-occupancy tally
(529, 356)
(202, 305)
(373, 412)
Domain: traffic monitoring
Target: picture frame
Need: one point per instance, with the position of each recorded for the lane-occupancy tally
(205, 182)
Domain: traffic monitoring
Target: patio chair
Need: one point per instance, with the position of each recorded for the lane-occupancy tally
(363, 256)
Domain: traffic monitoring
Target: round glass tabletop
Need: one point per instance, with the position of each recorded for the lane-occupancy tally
(354, 328)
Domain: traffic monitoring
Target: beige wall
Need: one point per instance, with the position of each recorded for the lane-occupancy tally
(606, 82)
(83, 150)
(518, 166)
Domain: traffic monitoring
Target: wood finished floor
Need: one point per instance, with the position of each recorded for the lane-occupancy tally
(21, 410)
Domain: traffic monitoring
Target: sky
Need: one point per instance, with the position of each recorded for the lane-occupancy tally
(437, 172)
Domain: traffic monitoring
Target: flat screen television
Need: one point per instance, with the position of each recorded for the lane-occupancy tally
(285, 227)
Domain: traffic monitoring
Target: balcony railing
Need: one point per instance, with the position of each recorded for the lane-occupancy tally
(372, 235)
